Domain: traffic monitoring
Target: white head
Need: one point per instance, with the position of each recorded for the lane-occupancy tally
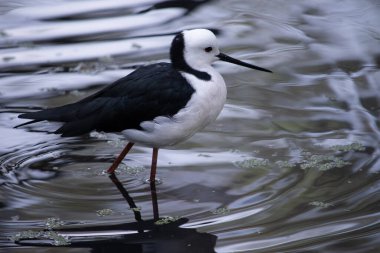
(201, 47)
(194, 50)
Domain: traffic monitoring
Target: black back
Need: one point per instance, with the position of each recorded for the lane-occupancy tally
(148, 92)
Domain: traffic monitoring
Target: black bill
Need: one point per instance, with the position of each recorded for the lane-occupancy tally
(226, 58)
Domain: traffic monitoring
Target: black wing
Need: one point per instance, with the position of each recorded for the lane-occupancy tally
(148, 92)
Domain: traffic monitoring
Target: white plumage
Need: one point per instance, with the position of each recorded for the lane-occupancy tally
(204, 106)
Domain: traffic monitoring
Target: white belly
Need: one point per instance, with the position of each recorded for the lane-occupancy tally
(203, 108)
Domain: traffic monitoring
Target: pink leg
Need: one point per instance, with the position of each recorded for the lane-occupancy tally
(154, 165)
(120, 158)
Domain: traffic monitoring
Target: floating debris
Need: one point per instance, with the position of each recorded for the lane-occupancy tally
(135, 209)
(50, 89)
(323, 162)
(111, 140)
(349, 147)
(77, 93)
(29, 234)
(53, 222)
(253, 163)
(57, 239)
(106, 59)
(104, 212)
(124, 169)
(117, 143)
(15, 218)
(98, 135)
(8, 58)
(136, 46)
(55, 154)
(87, 67)
(204, 155)
(167, 220)
(222, 210)
(158, 181)
(320, 204)
(285, 164)
(131, 170)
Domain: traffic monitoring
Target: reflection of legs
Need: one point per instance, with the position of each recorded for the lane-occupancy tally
(120, 158)
(154, 165)
(126, 196)
(153, 194)
(152, 180)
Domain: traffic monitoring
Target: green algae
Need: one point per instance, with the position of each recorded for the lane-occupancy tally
(53, 222)
(50, 224)
(57, 239)
(104, 212)
(320, 204)
(253, 163)
(349, 147)
(167, 220)
(323, 162)
(285, 164)
(221, 211)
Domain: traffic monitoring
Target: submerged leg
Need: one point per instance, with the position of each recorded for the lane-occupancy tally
(120, 158)
(154, 165)
(153, 193)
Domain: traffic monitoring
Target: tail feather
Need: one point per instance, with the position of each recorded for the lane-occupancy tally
(78, 127)
(80, 118)
(62, 114)
(27, 123)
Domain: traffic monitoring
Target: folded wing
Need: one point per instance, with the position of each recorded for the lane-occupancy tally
(148, 92)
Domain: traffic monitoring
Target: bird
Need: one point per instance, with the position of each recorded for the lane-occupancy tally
(157, 105)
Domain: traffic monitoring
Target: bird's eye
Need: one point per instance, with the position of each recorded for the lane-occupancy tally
(208, 49)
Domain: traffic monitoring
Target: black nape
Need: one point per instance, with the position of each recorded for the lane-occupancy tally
(178, 59)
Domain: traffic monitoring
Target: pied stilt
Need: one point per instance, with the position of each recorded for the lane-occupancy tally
(156, 105)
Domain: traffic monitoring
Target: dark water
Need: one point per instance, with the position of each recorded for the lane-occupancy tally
(291, 165)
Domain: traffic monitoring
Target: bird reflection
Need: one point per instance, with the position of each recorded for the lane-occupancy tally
(139, 236)
(126, 196)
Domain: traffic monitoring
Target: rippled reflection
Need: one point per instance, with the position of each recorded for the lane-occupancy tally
(153, 235)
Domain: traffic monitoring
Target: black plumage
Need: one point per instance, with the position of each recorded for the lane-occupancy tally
(148, 92)
(178, 58)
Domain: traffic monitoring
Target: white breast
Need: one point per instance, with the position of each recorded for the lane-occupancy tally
(203, 108)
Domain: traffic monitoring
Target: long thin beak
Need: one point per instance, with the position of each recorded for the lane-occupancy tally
(224, 57)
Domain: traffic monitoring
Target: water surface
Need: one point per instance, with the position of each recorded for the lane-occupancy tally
(291, 164)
